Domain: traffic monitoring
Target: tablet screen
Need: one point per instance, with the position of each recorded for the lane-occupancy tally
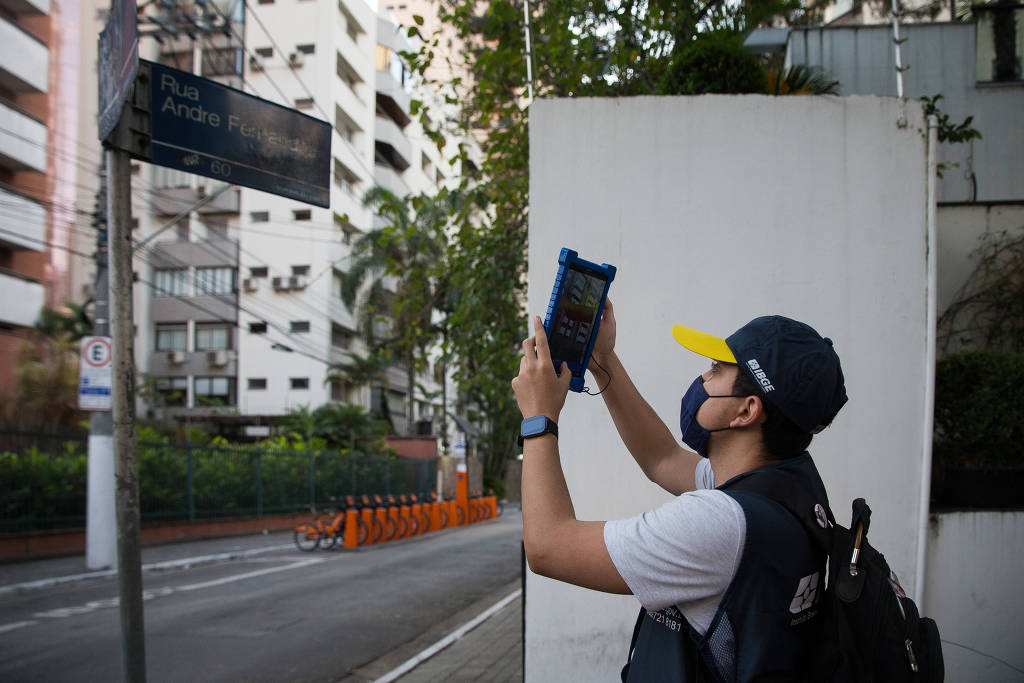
(574, 319)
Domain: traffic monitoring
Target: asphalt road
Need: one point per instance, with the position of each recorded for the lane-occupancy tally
(276, 616)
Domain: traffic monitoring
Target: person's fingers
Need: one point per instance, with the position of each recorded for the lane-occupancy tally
(528, 347)
(564, 377)
(541, 337)
(609, 310)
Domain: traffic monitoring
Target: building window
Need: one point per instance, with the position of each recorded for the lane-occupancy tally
(345, 178)
(215, 281)
(171, 282)
(300, 382)
(999, 42)
(265, 52)
(304, 103)
(302, 214)
(347, 73)
(341, 337)
(259, 271)
(178, 60)
(299, 326)
(215, 391)
(171, 337)
(216, 229)
(212, 337)
(171, 391)
(259, 216)
(181, 230)
(306, 49)
(222, 61)
(258, 328)
(300, 270)
(257, 383)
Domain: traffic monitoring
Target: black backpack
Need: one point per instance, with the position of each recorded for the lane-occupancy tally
(870, 629)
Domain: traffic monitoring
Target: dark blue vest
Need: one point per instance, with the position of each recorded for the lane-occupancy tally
(766, 620)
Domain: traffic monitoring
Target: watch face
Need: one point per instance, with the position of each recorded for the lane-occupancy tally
(534, 425)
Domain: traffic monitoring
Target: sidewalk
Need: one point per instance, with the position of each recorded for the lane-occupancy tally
(486, 646)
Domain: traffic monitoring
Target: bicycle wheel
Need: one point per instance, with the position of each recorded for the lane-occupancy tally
(307, 537)
(414, 525)
(403, 527)
(444, 517)
(425, 522)
(390, 529)
(328, 534)
(364, 532)
(460, 514)
(378, 530)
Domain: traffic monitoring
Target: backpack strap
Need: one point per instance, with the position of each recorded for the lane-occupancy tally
(786, 490)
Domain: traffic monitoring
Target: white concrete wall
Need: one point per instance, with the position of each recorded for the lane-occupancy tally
(717, 209)
(972, 592)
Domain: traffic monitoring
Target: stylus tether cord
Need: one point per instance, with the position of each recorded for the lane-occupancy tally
(590, 393)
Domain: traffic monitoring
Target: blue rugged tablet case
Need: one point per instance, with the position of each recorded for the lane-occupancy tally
(569, 260)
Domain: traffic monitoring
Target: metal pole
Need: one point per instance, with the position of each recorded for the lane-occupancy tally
(191, 482)
(529, 55)
(101, 518)
(126, 470)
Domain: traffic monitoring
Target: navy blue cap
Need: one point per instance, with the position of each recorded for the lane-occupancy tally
(796, 368)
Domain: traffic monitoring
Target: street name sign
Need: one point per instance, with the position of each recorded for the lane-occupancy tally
(203, 127)
(94, 372)
(118, 56)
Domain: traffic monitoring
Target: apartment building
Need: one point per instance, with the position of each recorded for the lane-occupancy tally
(241, 310)
(24, 162)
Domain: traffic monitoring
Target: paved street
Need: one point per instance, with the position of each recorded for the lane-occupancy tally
(273, 615)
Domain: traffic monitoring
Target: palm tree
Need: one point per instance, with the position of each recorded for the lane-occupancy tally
(369, 370)
(396, 281)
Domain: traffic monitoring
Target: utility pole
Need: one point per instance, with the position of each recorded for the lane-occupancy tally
(126, 469)
(101, 525)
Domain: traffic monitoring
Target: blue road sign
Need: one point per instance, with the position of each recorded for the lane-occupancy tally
(203, 127)
(118, 62)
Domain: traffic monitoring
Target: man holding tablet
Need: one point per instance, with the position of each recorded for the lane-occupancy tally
(728, 579)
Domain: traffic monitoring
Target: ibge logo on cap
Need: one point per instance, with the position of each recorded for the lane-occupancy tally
(762, 378)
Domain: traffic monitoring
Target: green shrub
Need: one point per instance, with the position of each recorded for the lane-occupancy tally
(714, 62)
(979, 410)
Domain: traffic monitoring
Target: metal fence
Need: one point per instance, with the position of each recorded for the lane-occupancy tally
(43, 480)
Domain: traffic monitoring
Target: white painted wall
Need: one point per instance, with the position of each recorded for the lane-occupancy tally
(717, 209)
(973, 593)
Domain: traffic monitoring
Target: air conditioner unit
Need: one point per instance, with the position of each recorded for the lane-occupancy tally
(176, 357)
(295, 59)
(255, 64)
(297, 282)
(218, 358)
(280, 284)
(250, 284)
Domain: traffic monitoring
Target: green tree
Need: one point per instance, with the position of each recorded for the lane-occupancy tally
(369, 370)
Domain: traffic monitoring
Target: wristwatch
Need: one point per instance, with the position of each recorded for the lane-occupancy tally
(537, 426)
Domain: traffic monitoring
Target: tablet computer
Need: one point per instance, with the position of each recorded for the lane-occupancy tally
(574, 312)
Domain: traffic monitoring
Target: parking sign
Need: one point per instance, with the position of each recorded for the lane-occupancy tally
(94, 374)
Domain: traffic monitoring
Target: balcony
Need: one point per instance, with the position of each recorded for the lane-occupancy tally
(392, 98)
(23, 299)
(390, 180)
(24, 61)
(26, 220)
(392, 143)
(22, 140)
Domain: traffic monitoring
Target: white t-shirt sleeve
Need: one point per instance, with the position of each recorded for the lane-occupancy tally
(683, 553)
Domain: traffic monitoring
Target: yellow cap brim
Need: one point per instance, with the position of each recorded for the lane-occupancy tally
(703, 343)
